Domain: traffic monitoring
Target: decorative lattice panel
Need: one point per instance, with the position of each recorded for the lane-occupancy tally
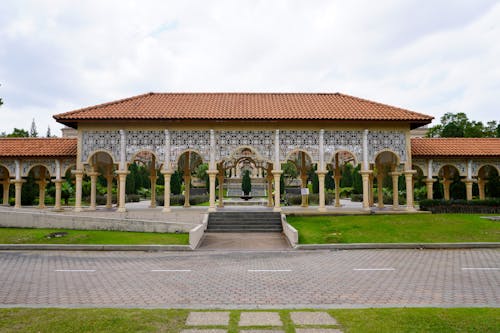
(307, 141)
(351, 141)
(394, 141)
(152, 141)
(477, 164)
(93, 141)
(181, 141)
(228, 142)
(422, 164)
(67, 164)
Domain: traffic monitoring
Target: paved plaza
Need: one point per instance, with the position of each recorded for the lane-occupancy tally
(246, 280)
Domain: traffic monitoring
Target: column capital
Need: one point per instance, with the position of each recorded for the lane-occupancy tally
(122, 172)
(395, 173)
(321, 172)
(366, 172)
(77, 172)
(167, 172)
(93, 174)
(410, 172)
(468, 181)
(18, 181)
(212, 172)
(277, 172)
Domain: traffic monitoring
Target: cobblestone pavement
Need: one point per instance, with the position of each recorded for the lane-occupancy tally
(251, 279)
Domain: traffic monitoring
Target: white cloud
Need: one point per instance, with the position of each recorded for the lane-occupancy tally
(432, 57)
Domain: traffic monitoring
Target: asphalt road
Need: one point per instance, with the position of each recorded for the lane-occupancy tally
(311, 279)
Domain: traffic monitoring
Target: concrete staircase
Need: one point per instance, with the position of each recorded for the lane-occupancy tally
(244, 222)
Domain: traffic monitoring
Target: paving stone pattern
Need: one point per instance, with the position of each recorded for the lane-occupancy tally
(260, 319)
(208, 318)
(312, 318)
(201, 280)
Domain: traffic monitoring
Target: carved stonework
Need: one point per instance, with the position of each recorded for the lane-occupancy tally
(460, 164)
(67, 164)
(184, 140)
(153, 141)
(93, 141)
(227, 142)
(307, 141)
(394, 141)
(336, 141)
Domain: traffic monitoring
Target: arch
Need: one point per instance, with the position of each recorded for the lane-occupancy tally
(481, 166)
(7, 171)
(103, 151)
(299, 150)
(38, 165)
(253, 149)
(133, 159)
(448, 165)
(68, 168)
(419, 169)
(332, 160)
(380, 152)
(191, 150)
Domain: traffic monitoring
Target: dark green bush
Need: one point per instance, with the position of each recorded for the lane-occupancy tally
(132, 198)
(178, 200)
(356, 197)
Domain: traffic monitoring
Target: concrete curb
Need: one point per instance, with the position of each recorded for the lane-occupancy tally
(92, 247)
(368, 246)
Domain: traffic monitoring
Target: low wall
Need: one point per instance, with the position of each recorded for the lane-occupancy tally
(290, 232)
(20, 219)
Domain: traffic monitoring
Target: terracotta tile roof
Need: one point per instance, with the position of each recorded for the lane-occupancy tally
(242, 106)
(474, 147)
(38, 147)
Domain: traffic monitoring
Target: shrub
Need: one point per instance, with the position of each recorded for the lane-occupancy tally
(178, 200)
(489, 206)
(356, 197)
(132, 198)
(246, 183)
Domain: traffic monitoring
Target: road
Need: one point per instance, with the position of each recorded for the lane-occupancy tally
(206, 279)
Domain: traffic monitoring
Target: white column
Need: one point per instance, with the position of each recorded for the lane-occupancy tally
(468, 182)
(277, 172)
(123, 150)
(167, 173)
(212, 172)
(321, 172)
(58, 184)
(78, 191)
(122, 173)
(93, 189)
(365, 172)
(409, 189)
(18, 183)
(429, 180)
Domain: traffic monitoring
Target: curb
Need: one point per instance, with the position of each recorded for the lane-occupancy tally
(92, 247)
(367, 246)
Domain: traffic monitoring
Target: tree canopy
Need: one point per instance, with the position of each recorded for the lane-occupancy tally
(457, 125)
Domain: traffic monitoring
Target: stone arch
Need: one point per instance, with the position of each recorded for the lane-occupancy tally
(103, 151)
(392, 152)
(68, 168)
(133, 158)
(334, 154)
(234, 152)
(445, 168)
(191, 150)
(4, 172)
(38, 164)
(299, 150)
(489, 165)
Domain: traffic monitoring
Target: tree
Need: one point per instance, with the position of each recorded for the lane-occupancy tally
(18, 133)
(33, 131)
(246, 183)
(48, 132)
(289, 172)
(457, 125)
(176, 183)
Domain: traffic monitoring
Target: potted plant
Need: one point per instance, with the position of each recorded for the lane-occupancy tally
(246, 185)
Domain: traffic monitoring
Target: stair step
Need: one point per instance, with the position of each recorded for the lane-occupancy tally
(243, 230)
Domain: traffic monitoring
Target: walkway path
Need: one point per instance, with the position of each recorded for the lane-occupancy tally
(257, 241)
(212, 279)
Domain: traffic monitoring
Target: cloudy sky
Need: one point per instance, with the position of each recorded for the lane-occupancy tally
(428, 56)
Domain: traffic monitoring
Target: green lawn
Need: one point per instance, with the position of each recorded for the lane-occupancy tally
(415, 320)
(39, 236)
(426, 228)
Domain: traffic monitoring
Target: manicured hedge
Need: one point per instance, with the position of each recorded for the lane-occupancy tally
(489, 206)
(178, 199)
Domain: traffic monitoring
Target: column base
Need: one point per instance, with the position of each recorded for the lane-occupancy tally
(277, 209)
(152, 206)
(322, 209)
(166, 210)
(212, 209)
(122, 210)
(411, 209)
(92, 208)
(57, 210)
(78, 209)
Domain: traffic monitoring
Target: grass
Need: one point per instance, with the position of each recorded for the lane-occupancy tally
(416, 320)
(426, 228)
(39, 236)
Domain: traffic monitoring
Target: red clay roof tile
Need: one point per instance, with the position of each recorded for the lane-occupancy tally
(242, 106)
(465, 147)
(38, 147)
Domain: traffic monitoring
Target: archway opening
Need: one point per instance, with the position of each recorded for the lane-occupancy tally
(450, 184)
(5, 185)
(34, 189)
(193, 177)
(488, 182)
(390, 181)
(144, 180)
(344, 178)
(297, 175)
(100, 181)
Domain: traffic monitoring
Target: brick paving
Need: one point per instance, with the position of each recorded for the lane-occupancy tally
(312, 318)
(208, 319)
(308, 279)
(260, 319)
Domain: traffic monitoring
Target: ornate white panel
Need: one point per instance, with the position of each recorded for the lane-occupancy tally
(153, 141)
(93, 141)
(303, 140)
(477, 164)
(351, 141)
(394, 141)
(65, 164)
(184, 140)
(10, 165)
(228, 141)
(26, 165)
(460, 164)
